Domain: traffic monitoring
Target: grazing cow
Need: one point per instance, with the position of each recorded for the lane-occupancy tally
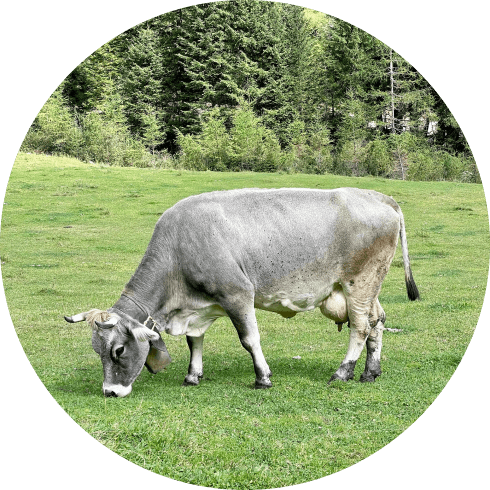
(226, 253)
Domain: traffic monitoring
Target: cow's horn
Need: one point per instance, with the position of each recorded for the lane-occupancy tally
(109, 323)
(76, 318)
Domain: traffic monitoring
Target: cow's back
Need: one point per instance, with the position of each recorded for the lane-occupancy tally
(276, 237)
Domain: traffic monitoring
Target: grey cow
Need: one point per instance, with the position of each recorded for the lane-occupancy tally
(226, 253)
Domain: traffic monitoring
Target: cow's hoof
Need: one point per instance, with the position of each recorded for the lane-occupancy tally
(336, 377)
(339, 377)
(345, 372)
(191, 380)
(262, 384)
(368, 377)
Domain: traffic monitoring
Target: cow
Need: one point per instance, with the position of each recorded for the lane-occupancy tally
(225, 253)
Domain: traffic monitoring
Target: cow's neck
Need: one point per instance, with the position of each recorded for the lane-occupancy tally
(145, 293)
(132, 308)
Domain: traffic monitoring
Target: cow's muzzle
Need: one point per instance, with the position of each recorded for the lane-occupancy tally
(116, 390)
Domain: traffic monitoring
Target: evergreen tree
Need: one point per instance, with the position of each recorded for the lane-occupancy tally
(141, 74)
(408, 104)
(94, 79)
(224, 51)
(286, 96)
(153, 134)
(245, 71)
(353, 72)
(184, 74)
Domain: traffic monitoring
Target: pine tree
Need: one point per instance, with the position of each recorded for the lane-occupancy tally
(141, 77)
(351, 71)
(286, 94)
(153, 133)
(224, 51)
(92, 80)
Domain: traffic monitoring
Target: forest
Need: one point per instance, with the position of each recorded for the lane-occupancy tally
(258, 86)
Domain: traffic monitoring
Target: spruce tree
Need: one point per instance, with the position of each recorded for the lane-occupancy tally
(92, 80)
(141, 78)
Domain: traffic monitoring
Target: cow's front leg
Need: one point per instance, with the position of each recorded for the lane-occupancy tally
(195, 372)
(246, 325)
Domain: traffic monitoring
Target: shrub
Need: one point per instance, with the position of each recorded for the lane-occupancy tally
(269, 155)
(190, 156)
(104, 141)
(470, 172)
(54, 129)
(310, 153)
(378, 158)
(252, 145)
(207, 150)
(424, 165)
(106, 137)
(431, 164)
(153, 133)
(351, 159)
(135, 154)
(248, 145)
(452, 166)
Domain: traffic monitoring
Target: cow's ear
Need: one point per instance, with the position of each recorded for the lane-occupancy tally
(144, 334)
(158, 343)
(158, 357)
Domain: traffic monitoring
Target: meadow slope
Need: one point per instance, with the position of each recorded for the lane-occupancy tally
(71, 236)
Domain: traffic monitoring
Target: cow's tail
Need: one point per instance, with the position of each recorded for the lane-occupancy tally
(412, 291)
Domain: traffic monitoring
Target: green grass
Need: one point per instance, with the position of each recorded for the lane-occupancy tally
(72, 235)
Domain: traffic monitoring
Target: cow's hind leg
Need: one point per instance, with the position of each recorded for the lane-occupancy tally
(364, 313)
(245, 322)
(374, 344)
(195, 372)
(359, 331)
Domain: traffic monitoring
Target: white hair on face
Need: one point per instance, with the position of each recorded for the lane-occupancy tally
(96, 315)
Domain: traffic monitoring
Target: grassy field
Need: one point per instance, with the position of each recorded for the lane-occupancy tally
(72, 235)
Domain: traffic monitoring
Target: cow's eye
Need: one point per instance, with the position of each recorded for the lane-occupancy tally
(119, 351)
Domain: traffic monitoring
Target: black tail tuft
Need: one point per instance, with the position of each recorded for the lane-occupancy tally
(412, 290)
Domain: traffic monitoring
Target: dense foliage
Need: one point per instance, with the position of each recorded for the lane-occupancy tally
(254, 85)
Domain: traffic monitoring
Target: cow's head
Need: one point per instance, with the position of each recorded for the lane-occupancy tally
(124, 346)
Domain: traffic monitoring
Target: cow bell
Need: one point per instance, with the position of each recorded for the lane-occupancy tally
(157, 359)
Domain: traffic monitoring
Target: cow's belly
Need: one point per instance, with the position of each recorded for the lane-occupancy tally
(331, 301)
(286, 302)
(289, 301)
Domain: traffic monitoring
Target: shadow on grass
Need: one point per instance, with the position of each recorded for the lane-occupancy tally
(218, 372)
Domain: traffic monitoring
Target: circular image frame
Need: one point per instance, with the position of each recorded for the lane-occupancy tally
(40, 426)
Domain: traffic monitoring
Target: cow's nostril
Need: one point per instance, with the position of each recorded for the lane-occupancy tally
(110, 394)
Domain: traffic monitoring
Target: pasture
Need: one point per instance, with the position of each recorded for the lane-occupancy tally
(72, 235)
